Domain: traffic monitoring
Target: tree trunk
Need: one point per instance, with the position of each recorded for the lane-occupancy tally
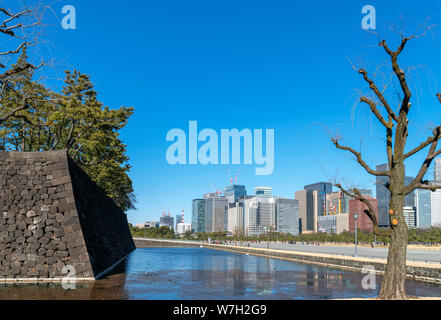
(394, 280)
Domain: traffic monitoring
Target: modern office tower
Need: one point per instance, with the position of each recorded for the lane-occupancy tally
(181, 227)
(313, 205)
(263, 192)
(233, 192)
(383, 196)
(216, 213)
(166, 221)
(259, 215)
(437, 169)
(423, 207)
(287, 215)
(236, 218)
(364, 223)
(409, 214)
(179, 219)
(198, 215)
(322, 188)
(300, 196)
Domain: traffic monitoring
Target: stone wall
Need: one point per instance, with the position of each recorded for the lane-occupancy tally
(52, 215)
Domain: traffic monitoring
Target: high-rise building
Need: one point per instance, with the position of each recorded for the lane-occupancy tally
(216, 213)
(263, 192)
(428, 207)
(198, 215)
(409, 214)
(166, 221)
(383, 196)
(179, 219)
(236, 218)
(233, 192)
(322, 188)
(300, 196)
(423, 200)
(287, 213)
(259, 215)
(181, 227)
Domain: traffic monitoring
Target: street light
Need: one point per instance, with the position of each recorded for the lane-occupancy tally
(355, 218)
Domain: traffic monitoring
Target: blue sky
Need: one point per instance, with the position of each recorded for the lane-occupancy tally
(282, 65)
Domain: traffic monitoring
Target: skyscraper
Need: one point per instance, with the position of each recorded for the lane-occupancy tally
(198, 215)
(263, 192)
(287, 213)
(423, 207)
(322, 188)
(233, 192)
(216, 213)
(300, 196)
(259, 215)
(179, 219)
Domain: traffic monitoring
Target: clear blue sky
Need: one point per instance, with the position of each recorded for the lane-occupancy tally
(282, 65)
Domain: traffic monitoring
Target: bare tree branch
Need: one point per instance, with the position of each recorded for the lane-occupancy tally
(359, 159)
(379, 94)
(374, 110)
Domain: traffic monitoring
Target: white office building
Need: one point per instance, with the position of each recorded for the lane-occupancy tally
(183, 227)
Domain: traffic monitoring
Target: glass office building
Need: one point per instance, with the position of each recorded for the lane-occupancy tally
(198, 215)
(233, 192)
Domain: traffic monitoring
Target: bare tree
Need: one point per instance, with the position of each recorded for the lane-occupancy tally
(396, 131)
(13, 26)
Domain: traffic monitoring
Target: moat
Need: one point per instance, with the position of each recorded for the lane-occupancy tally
(200, 273)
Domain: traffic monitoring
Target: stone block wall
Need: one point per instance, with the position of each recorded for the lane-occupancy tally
(52, 215)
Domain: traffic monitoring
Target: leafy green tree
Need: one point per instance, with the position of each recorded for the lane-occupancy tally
(73, 120)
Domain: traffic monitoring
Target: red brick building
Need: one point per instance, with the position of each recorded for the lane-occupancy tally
(364, 223)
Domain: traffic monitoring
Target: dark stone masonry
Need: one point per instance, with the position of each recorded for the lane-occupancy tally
(52, 215)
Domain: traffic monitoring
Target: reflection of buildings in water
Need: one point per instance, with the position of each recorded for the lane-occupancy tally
(224, 274)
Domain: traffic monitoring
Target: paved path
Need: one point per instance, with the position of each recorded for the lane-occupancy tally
(433, 256)
(429, 256)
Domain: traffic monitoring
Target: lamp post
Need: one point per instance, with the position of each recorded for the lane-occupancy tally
(355, 218)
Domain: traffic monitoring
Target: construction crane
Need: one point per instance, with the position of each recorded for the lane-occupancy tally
(237, 175)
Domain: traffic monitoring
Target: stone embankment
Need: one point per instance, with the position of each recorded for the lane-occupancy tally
(55, 222)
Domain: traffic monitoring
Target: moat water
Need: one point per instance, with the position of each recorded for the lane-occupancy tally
(199, 273)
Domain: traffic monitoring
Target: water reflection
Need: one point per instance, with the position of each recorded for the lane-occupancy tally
(199, 273)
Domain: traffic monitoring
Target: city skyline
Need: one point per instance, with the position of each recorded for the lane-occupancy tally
(232, 65)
